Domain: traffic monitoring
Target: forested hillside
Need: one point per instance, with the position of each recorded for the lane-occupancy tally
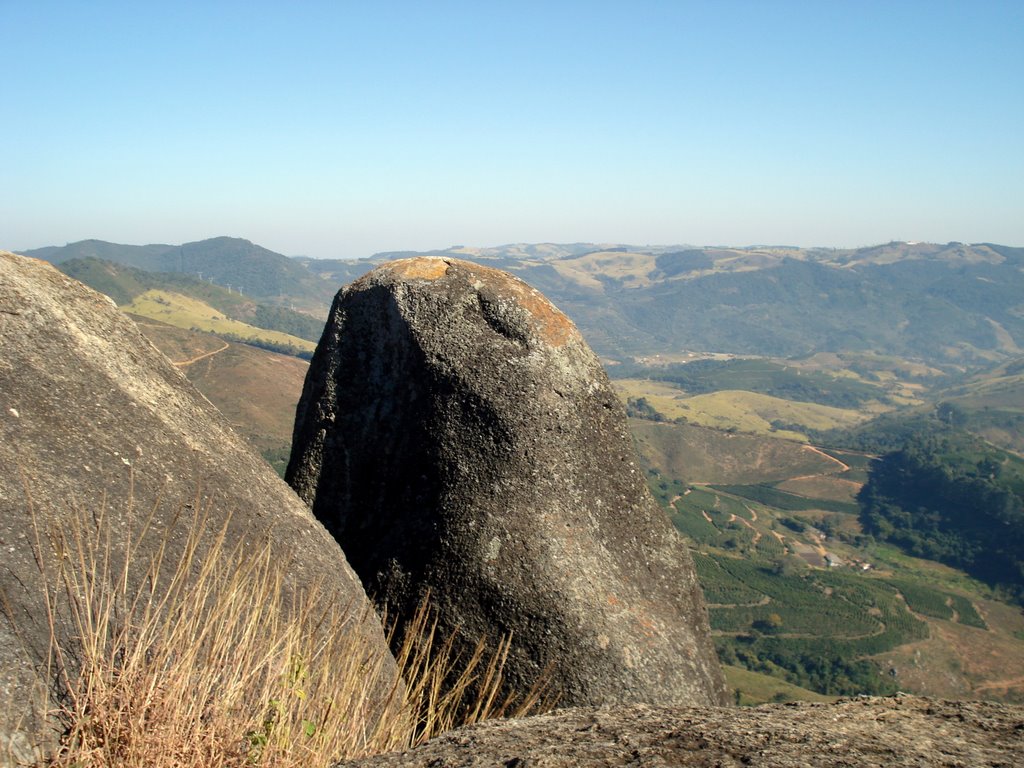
(954, 500)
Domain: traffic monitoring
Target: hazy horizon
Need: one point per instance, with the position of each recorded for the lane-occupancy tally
(339, 130)
(498, 246)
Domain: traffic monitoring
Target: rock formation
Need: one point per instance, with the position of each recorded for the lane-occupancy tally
(459, 438)
(93, 416)
(900, 731)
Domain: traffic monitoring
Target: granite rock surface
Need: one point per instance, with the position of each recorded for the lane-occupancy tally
(863, 732)
(93, 419)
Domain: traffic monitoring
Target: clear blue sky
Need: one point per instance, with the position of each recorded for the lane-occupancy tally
(344, 128)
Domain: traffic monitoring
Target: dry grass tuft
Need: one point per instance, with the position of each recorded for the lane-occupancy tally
(205, 659)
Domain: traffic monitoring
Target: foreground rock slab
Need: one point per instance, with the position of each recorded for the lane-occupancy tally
(94, 421)
(899, 731)
(460, 439)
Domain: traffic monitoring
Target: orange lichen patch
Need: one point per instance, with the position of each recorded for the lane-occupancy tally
(550, 323)
(420, 268)
(554, 327)
(647, 627)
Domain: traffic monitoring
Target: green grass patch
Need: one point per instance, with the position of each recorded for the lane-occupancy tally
(753, 688)
(773, 497)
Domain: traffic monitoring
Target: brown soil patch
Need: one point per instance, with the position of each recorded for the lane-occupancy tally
(255, 389)
(965, 662)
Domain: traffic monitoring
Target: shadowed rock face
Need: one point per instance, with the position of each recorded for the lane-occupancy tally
(458, 436)
(92, 416)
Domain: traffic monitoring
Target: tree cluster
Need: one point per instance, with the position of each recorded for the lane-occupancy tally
(935, 500)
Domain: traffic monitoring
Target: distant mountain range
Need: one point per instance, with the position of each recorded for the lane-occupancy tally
(955, 306)
(229, 262)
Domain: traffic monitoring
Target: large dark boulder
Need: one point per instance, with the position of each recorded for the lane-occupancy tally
(459, 438)
(94, 420)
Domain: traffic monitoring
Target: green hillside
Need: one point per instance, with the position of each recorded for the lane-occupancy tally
(805, 589)
(990, 404)
(798, 592)
(125, 284)
(753, 688)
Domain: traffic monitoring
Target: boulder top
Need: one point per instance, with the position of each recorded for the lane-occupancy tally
(546, 322)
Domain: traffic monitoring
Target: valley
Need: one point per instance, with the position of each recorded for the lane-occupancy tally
(796, 590)
(755, 440)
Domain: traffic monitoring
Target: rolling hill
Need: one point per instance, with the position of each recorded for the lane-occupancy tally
(199, 301)
(230, 262)
(953, 305)
(186, 312)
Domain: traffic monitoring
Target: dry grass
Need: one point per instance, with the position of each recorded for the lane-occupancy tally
(748, 412)
(206, 659)
(186, 312)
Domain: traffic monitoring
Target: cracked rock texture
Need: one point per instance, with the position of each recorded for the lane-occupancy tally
(458, 437)
(862, 732)
(93, 417)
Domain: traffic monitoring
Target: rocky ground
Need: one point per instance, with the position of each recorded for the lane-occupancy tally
(862, 731)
